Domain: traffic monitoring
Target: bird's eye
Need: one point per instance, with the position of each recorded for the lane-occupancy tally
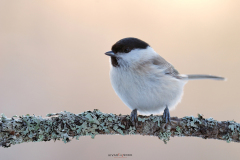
(126, 50)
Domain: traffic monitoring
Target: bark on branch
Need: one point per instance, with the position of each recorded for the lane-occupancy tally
(65, 125)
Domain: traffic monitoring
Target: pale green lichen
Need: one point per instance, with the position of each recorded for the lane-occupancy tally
(110, 119)
(131, 130)
(227, 137)
(59, 126)
(165, 136)
(147, 127)
(234, 127)
(200, 116)
(179, 131)
(210, 122)
(92, 118)
(192, 122)
(66, 125)
(3, 117)
(141, 119)
(157, 119)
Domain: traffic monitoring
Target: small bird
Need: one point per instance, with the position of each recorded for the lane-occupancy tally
(145, 81)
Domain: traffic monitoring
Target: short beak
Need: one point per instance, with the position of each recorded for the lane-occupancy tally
(110, 53)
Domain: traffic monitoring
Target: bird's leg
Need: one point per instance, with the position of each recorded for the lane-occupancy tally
(134, 116)
(166, 115)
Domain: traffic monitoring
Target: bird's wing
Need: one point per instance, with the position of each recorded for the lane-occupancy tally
(166, 67)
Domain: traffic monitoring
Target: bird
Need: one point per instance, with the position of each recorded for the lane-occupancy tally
(145, 81)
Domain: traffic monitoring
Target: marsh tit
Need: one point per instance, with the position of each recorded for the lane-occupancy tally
(145, 81)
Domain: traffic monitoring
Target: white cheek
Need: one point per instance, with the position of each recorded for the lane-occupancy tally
(137, 55)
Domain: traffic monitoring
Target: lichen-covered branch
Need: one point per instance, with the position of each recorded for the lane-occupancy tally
(65, 125)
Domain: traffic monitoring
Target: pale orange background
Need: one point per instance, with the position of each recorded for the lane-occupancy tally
(52, 59)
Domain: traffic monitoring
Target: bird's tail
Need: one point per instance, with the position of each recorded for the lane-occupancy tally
(200, 76)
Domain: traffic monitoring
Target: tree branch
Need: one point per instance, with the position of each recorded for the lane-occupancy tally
(66, 125)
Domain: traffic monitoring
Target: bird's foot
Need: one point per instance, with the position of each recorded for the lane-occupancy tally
(134, 116)
(166, 115)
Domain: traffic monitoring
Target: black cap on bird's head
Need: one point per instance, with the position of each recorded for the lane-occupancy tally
(127, 44)
(124, 46)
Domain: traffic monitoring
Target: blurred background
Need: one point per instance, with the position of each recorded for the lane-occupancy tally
(52, 59)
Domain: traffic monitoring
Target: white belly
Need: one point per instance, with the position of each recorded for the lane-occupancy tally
(147, 94)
